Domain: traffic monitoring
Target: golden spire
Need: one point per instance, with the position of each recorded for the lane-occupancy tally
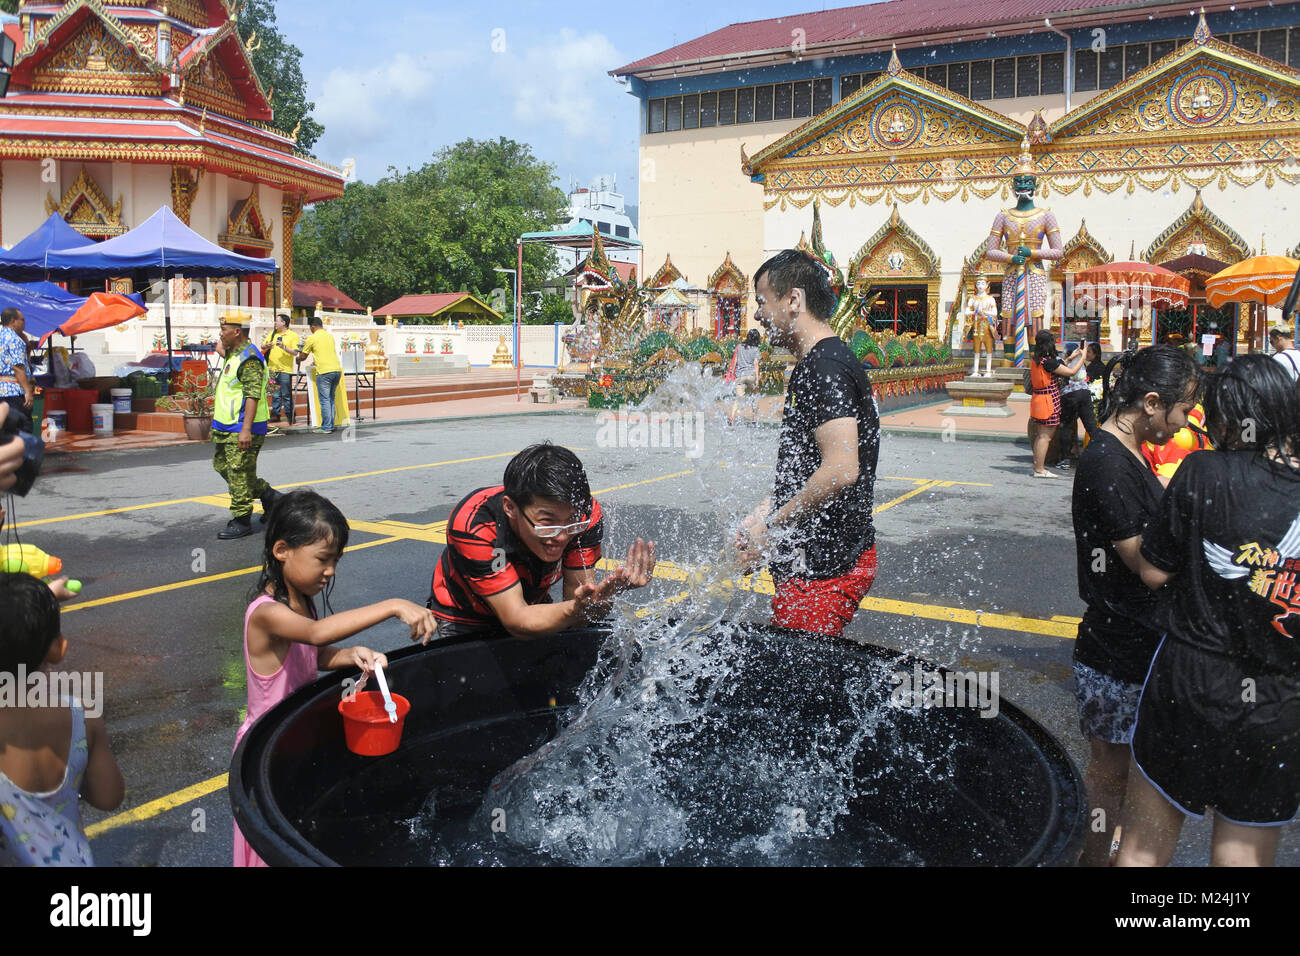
(894, 67)
(1202, 33)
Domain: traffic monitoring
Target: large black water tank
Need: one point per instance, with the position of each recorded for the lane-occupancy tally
(972, 790)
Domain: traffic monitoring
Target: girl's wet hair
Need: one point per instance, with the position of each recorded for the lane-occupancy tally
(752, 337)
(300, 518)
(1253, 403)
(1170, 372)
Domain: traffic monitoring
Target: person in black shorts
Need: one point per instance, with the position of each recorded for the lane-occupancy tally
(509, 544)
(816, 530)
(1115, 494)
(1218, 725)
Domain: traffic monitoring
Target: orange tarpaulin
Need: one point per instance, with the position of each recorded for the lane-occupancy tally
(102, 309)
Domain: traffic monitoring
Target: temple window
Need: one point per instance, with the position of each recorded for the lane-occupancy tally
(656, 120)
(850, 83)
(1293, 49)
(1004, 78)
(959, 78)
(690, 112)
(803, 99)
(1052, 74)
(1137, 56)
(1026, 76)
(727, 107)
(937, 74)
(1085, 70)
(1247, 41)
(822, 94)
(674, 107)
(745, 106)
(1161, 48)
(762, 104)
(708, 109)
(782, 101)
(623, 232)
(1272, 44)
(981, 80)
(1112, 67)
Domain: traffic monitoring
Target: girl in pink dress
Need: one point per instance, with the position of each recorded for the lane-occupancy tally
(284, 641)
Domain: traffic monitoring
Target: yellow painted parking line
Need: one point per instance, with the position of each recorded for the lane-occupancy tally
(154, 807)
(224, 500)
(645, 481)
(1066, 619)
(903, 497)
(206, 579)
(761, 583)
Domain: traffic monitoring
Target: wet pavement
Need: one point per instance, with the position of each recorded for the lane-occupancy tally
(977, 571)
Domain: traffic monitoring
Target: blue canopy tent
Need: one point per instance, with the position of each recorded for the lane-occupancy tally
(47, 307)
(26, 261)
(159, 248)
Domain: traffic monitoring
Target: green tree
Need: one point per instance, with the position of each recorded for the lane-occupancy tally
(553, 308)
(9, 6)
(440, 228)
(279, 67)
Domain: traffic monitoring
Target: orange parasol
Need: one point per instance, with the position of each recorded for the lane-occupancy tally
(1130, 284)
(1262, 279)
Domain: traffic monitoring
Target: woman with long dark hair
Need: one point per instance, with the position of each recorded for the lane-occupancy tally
(1115, 495)
(1218, 725)
(1045, 405)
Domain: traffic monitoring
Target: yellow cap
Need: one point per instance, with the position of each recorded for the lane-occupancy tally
(234, 317)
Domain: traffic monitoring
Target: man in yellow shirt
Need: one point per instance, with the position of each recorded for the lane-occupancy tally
(280, 349)
(320, 346)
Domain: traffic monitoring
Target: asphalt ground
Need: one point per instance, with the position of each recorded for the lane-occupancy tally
(977, 571)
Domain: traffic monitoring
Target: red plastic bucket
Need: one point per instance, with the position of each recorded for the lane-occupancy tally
(366, 727)
(55, 400)
(79, 414)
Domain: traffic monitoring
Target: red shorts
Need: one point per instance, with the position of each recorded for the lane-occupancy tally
(824, 605)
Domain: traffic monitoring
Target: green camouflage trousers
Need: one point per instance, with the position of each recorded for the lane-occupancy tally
(239, 469)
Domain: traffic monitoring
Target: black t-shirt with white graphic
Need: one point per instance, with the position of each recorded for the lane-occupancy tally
(1229, 529)
(827, 383)
(1115, 495)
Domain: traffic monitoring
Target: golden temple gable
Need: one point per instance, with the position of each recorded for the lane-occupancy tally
(1198, 231)
(85, 207)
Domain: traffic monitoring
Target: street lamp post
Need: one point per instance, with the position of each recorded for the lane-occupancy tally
(517, 274)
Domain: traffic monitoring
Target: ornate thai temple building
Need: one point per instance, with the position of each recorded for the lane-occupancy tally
(1154, 133)
(116, 108)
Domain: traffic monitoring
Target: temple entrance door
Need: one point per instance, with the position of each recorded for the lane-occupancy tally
(1221, 321)
(1174, 322)
(900, 308)
(254, 290)
(728, 316)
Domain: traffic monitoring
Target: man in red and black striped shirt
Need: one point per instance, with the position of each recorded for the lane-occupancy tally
(507, 546)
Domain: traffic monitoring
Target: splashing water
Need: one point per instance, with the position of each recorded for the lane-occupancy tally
(690, 741)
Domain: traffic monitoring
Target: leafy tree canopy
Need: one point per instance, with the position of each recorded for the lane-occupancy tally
(279, 67)
(440, 228)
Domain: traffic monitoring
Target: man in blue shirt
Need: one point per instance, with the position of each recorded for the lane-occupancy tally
(15, 373)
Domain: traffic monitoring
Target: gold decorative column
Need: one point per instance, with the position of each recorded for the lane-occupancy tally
(185, 186)
(291, 209)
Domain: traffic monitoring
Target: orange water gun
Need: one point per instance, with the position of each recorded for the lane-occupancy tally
(1165, 459)
(29, 559)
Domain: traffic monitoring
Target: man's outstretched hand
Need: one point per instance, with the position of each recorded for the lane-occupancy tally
(635, 573)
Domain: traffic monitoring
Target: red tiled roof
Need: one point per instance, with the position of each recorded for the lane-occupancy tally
(885, 21)
(428, 304)
(307, 294)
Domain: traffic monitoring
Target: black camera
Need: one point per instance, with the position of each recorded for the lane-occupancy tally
(18, 426)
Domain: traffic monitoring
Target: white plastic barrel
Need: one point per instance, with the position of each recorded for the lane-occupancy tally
(121, 400)
(101, 417)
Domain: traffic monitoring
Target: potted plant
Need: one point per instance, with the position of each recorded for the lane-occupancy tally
(193, 398)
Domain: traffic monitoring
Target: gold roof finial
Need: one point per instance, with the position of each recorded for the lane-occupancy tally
(1197, 204)
(1202, 33)
(1132, 250)
(1025, 166)
(893, 216)
(1262, 250)
(894, 67)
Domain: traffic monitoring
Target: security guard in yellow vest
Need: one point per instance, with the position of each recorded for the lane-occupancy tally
(239, 424)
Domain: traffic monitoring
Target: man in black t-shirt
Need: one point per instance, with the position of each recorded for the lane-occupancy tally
(816, 530)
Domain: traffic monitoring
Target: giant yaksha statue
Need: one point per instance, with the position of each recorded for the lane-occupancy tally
(1025, 236)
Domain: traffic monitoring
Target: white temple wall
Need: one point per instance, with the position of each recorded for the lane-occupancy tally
(22, 203)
